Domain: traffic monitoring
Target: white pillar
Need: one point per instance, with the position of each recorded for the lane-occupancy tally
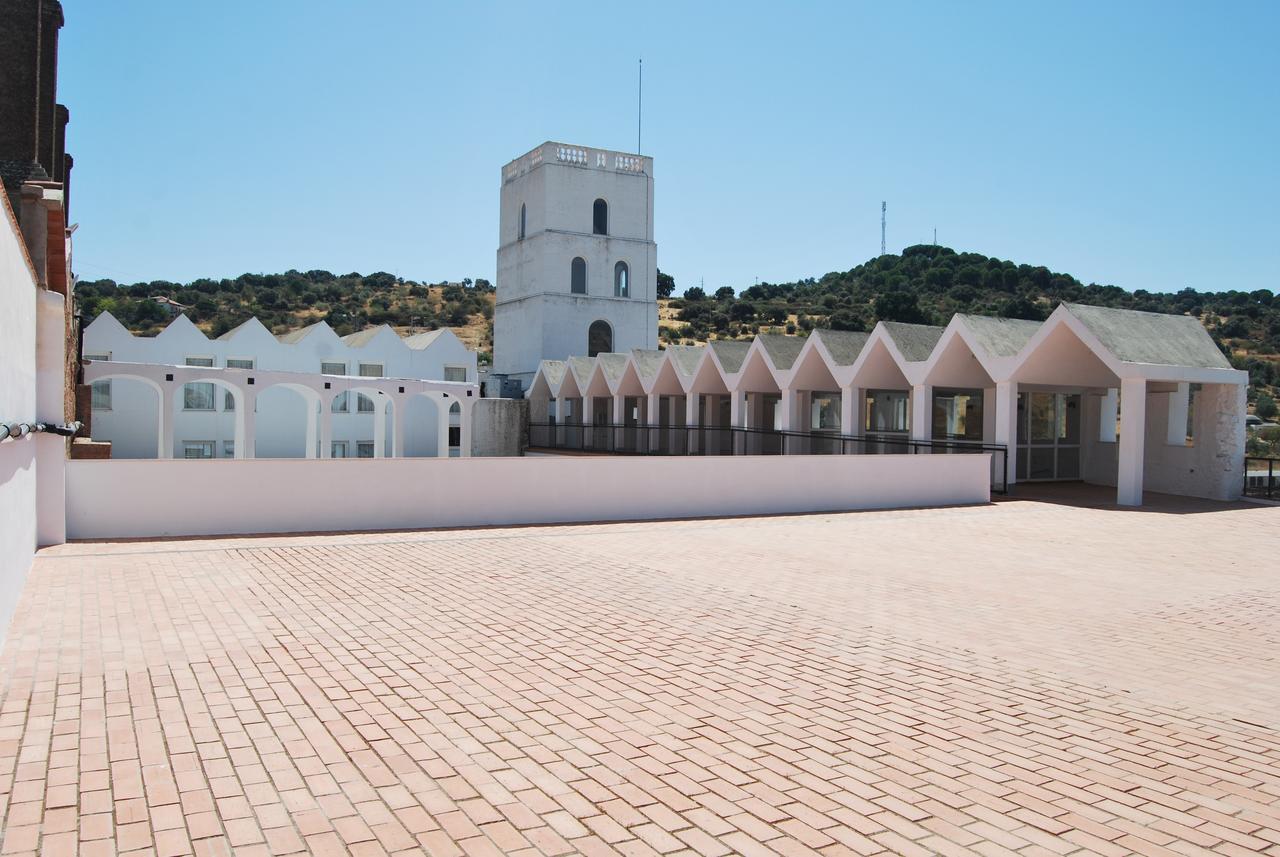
(442, 425)
(738, 408)
(619, 410)
(166, 420)
(379, 426)
(588, 420)
(1107, 415)
(326, 427)
(397, 427)
(1007, 426)
(790, 404)
(465, 428)
(1133, 435)
(691, 401)
(246, 425)
(313, 429)
(851, 410)
(653, 418)
(1179, 406)
(922, 412)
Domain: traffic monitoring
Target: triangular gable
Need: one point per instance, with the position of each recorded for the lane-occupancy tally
(1064, 351)
(881, 365)
(757, 375)
(816, 369)
(182, 329)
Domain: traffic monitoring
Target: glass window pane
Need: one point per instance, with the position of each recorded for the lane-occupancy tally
(364, 404)
(1041, 462)
(455, 373)
(197, 397)
(1043, 418)
(371, 370)
(101, 396)
(1068, 462)
(333, 368)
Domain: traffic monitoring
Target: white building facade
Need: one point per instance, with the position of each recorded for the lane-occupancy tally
(1135, 400)
(577, 264)
(315, 394)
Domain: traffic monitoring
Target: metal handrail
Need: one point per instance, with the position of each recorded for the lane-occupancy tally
(637, 439)
(1256, 485)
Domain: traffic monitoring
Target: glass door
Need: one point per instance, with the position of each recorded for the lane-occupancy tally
(1048, 436)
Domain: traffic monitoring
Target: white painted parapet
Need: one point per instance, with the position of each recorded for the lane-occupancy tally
(143, 498)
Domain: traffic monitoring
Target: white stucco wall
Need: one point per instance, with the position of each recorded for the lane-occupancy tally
(537, 317)
(130, 424)
(17, 404)
(109, 499)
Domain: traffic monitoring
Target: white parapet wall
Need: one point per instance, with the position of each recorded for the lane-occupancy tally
(150, 498)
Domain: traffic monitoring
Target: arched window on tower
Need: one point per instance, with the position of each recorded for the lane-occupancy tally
(578, 276)
(599, 338)
(522, 221)
(621, 280)
(600, 218)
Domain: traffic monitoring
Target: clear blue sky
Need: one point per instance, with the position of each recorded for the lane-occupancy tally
(1128, 143)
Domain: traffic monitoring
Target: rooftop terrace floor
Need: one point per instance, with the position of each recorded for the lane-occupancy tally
(1021, 677)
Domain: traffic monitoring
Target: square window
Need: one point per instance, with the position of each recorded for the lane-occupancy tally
(364, 449)
(455, 373)
(371, 370)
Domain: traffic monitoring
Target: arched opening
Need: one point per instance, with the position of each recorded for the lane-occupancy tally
(421, 427)
(201, 429)
(127, 412)
(578, 276)
(621, 280)
(455, 430)
(600, 218)
(287, 422)
(599, 338)
(366, 428)
(522, 222)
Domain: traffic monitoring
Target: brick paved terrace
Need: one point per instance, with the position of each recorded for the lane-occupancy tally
(1019, 678)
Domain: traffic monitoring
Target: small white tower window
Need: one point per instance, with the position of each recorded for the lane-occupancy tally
(522, 222)
(621, 280)
(600, 218)
(578, 276)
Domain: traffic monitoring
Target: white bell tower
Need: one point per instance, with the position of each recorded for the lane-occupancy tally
(577, 264)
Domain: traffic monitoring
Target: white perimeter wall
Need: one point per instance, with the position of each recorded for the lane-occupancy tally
(17, 404)
(122, 499)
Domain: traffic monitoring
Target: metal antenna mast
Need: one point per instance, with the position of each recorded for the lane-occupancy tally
(639, 105)
(884, 206)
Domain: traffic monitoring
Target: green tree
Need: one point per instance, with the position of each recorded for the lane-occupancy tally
(1265, 406)
(899, 306)
(666, 284)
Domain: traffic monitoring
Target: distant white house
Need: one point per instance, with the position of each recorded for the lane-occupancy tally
(315, 394)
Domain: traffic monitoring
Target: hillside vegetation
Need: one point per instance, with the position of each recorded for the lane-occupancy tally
(924, 283)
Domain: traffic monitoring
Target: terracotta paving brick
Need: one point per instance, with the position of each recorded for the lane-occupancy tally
(1022, 678)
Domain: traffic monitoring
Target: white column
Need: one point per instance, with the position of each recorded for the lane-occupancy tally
(619, 410)
(313, 429)
(442, 425)
(851, 410)
(588, 418)
(464, 428)
(922, 412)
(165, 440)
(653, 417)
(691, 401)
(789, 404)
(1133, 435)
(379, 426)
(1107, 415)
(247, 425)
(326, 427)
(397, 428)
(1179, 405)
(1007, 426)
(738, 408)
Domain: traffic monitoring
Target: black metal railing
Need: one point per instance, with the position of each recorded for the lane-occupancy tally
(613, 439)
(1262, 477)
